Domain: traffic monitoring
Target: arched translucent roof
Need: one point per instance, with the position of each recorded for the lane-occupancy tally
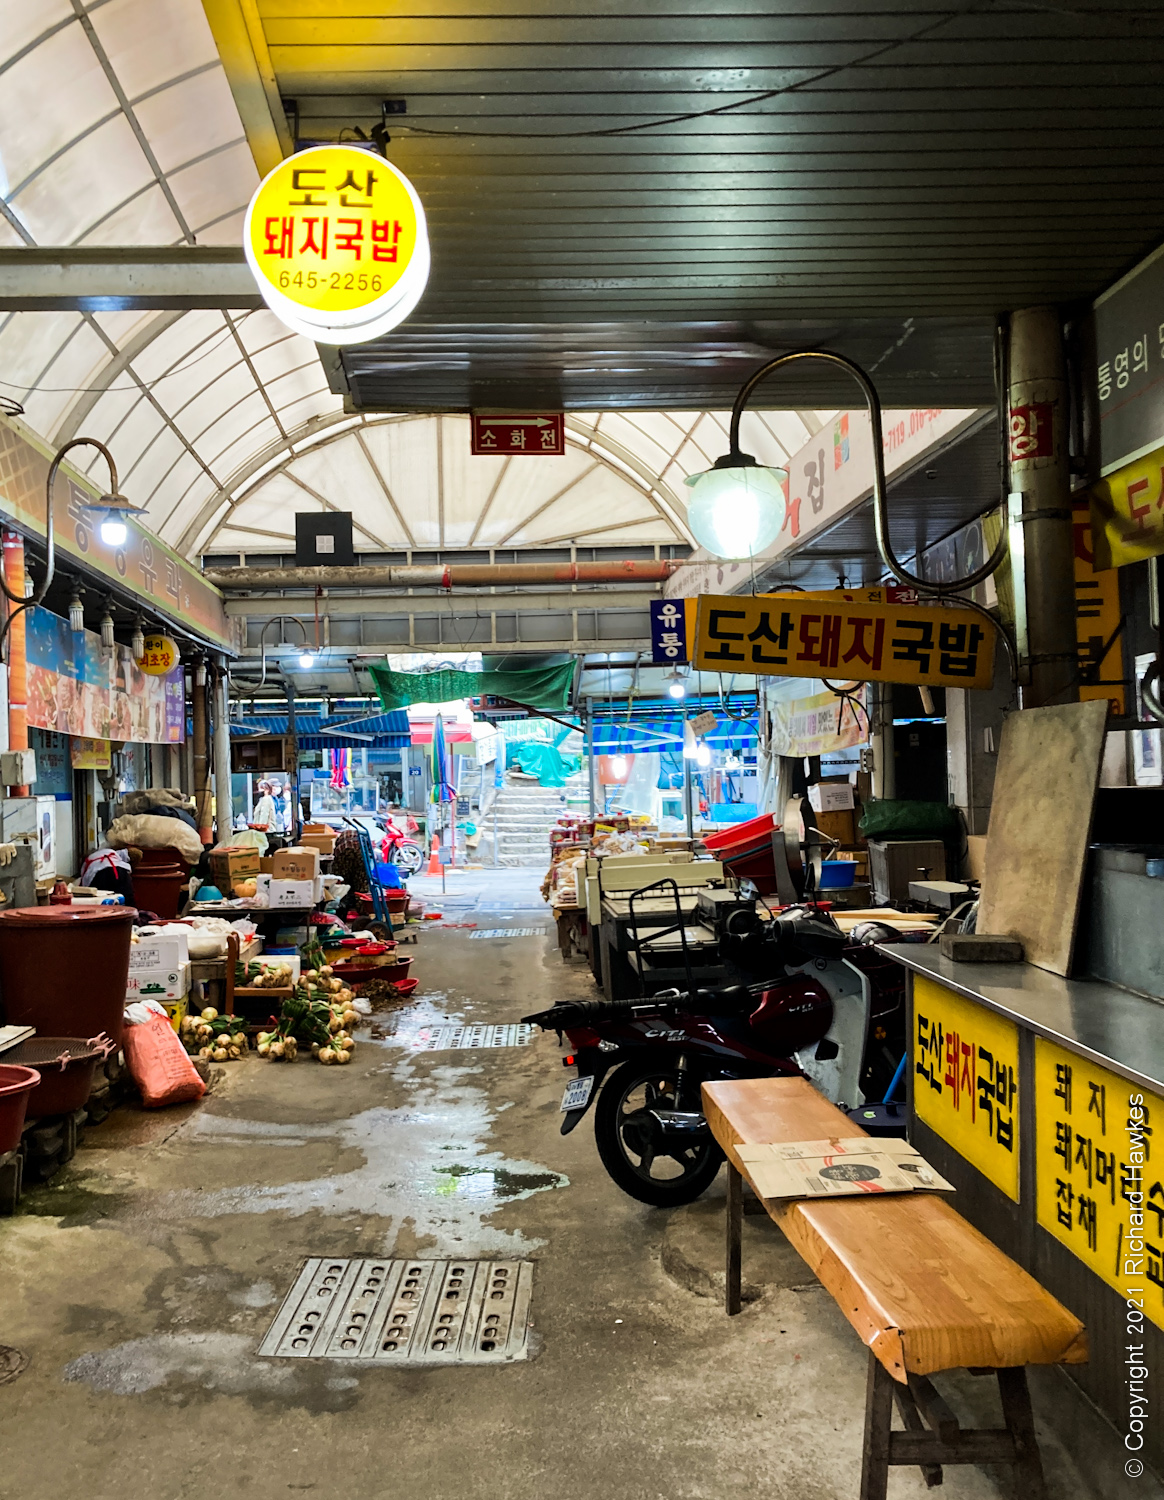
(117, 127)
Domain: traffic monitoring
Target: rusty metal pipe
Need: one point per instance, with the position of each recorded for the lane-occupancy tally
(442, 575)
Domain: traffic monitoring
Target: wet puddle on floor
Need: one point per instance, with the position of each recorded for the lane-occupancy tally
(426, 1162)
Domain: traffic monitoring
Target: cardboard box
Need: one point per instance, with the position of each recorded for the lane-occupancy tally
(158, 984)
(297, 863)
(228, 865)
(160, 951)
(838, 1168)
(323, 842)
(838, 825)
(831, 796)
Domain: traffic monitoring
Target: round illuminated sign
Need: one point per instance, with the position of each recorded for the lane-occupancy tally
(338, 243)
(160, 655)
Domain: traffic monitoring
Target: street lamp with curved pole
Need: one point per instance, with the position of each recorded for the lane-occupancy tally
(736, 459)
(113, 531)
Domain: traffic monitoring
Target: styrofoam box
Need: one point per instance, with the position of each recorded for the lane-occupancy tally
(167, 950)
(276, 960)
(831, 796)
(292, 894)
(158, 984)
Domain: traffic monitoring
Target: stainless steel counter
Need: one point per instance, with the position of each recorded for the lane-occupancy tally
(1112, 1026)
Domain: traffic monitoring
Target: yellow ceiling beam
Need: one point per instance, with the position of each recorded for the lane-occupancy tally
(238, 35)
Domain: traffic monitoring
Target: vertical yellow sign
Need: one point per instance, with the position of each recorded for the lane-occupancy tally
(965, 1080)
(1097, 1189)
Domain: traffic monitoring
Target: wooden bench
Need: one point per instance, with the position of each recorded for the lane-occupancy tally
(922, 1287)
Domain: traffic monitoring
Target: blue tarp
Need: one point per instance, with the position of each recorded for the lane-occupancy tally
(378, 731)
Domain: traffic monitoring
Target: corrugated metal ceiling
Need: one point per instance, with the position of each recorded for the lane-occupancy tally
(755, 175)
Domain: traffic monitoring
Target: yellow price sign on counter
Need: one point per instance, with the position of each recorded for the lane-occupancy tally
(1098, 1190)
(844, 639)
(965, 1080)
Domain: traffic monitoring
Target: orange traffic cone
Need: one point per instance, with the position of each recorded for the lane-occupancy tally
(434, 863)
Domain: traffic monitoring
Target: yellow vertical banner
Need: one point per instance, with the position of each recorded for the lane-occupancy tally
(1097, 618)
(966, 1080)
(1098, 1190)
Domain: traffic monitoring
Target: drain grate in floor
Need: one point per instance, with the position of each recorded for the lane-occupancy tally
(442, 1312)
(504, 932)
(458, 1038)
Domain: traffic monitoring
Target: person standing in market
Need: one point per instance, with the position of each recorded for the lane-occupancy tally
(265, 812)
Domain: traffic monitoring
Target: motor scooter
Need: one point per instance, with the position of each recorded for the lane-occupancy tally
(821, 1005)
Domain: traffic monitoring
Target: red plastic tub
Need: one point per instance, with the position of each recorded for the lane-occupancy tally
(64, 969)
(66, 1065)
(362, 973)
(15, 1086)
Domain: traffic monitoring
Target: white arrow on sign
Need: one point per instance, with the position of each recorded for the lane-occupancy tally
(515, 421)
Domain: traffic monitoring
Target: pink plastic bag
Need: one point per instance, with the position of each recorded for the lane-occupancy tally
(159, 1065)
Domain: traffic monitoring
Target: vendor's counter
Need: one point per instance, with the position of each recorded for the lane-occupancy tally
(1042, 1100)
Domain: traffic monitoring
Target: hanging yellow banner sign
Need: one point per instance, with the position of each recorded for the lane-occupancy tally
(1097, 620)
(965, 1080)
(1098, 1189)
(799, 636)
(1127, 512)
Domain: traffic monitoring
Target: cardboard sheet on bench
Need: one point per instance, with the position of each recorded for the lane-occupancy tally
(840, 1167)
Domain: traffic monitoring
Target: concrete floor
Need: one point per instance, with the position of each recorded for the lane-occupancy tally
(141, 1280)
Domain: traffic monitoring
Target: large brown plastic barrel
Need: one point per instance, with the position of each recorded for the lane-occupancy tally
(64, 969)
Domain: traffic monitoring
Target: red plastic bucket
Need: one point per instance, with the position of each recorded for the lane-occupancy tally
(15, 1086)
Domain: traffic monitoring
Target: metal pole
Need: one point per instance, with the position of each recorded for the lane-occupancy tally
(223, 787)
(201, 756)
(592, 763)
(293, 769)
(687, 800)
(1037, 422)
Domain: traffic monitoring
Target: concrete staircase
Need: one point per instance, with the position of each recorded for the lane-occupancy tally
(525, 813)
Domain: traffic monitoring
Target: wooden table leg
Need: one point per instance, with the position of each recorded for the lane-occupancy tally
(1016, 1410)
(878, 1419)
(735, 1225)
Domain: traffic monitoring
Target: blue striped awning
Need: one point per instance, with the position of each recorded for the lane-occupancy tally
(378, 730)
(665, 732)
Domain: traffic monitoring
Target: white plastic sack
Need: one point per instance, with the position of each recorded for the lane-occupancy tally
(141, 1011)
(148, 831)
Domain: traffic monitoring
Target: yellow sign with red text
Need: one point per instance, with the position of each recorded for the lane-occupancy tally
(337, 240)
(801, 636)
(159, 656)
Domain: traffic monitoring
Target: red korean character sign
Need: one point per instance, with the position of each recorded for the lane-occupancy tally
(516, 433)
(337, 239)
(844, 639)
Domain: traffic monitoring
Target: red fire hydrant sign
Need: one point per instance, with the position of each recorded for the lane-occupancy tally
(513, 433)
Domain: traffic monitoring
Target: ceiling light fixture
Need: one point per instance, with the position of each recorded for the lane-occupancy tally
(76, 609)
(306, 660)
(675, 685)
(137, 640)
(702, 755)
(107, 628)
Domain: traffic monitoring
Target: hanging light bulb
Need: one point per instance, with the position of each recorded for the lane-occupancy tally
(675, 686)
(618, 767)
(702, 755)
(137, 640)
(737, 508)
(306, 660)
(113, 529)
(107, 629)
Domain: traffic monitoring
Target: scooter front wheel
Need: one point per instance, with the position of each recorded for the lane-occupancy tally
(409, 858)
(652, 1164)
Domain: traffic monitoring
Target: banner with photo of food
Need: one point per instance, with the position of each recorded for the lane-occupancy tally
(76, 686)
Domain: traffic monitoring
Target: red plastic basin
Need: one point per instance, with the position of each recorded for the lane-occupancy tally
(15, 1086)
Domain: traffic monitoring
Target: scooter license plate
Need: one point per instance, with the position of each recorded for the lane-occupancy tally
(578, 1091)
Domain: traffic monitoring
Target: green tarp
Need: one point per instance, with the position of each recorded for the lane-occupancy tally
(536, 687)
(546, 762)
